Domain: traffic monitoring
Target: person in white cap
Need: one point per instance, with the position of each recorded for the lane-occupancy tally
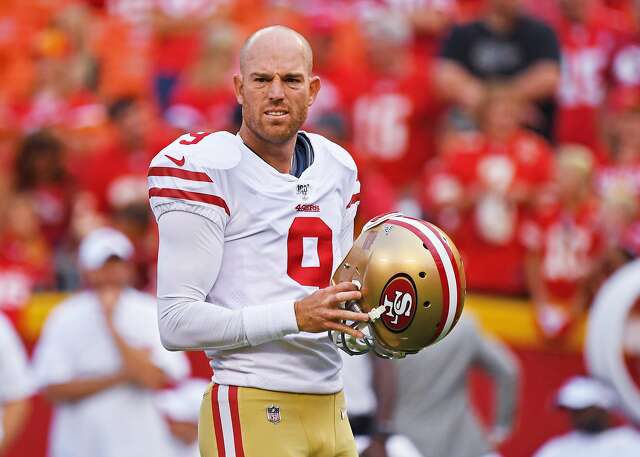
(588, 403)
(16, 387)
(100, 359)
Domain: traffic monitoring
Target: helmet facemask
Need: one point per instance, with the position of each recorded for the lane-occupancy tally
(359, 346)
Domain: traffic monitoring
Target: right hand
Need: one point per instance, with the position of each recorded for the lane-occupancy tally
(320, 311)
(140, 369)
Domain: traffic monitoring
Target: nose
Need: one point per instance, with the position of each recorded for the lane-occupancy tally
(276, 89)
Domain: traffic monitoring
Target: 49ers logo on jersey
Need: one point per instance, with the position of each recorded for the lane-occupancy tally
(399, 300)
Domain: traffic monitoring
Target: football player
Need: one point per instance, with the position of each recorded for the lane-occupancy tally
(251, 228)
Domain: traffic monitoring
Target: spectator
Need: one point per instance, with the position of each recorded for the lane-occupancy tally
(618, 182)
(40, 172)
(481, 188)
(626, 58)
(99, 360)
(508, 47)
(586, 51)
(393, 114)
(202, 98)
(23, 248)
(16, 388)
(587, 403)
(432, 395)
(116, 176)
(564, 243)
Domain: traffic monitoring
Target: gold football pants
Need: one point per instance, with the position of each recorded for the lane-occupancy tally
(247, 422)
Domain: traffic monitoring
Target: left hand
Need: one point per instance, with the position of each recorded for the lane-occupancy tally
(377, 448)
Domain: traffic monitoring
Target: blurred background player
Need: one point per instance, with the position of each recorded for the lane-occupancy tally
(16, 388)
(99, 354)
(432, 394)
(588, 404)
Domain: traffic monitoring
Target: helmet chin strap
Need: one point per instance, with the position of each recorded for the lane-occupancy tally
(359, 346)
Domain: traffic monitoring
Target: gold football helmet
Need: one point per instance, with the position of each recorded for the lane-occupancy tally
(412, 283)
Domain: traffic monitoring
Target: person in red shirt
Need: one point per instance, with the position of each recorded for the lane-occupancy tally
(203, 99)
(40, 173)
(625, 66)
(393, 116)
(564, 243)
(25, 255)
(117, 175)
(481, 186)
(586, 47)
(618, 182)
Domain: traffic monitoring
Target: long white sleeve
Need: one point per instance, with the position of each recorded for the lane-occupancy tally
(189, 259)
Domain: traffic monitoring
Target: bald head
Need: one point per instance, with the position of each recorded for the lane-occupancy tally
(275, 37)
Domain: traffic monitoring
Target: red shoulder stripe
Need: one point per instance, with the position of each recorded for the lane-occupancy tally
(355, 198)
(179, 173)
(187, 195)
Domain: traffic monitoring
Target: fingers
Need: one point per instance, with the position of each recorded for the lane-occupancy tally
(342, 297)
(349, 316)
(344, 287)
(344, 329)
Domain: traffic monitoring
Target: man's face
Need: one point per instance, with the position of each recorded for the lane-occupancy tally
(275, 90)
(590, 420)
(114, 273)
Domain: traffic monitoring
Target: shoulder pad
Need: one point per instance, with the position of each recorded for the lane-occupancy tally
(211, 150)
(335, 150)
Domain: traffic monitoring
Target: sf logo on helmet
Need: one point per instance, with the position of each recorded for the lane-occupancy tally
(399, 300)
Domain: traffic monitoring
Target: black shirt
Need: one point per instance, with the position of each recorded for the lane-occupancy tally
(489, 55)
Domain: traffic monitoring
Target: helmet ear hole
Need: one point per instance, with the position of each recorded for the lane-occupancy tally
(422, 274)
(427, 304)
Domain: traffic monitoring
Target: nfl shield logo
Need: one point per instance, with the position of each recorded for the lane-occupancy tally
(273, 414)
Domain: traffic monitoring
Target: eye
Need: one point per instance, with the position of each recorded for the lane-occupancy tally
(260, 79)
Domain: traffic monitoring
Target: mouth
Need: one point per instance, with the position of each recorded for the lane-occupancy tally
(276, 113)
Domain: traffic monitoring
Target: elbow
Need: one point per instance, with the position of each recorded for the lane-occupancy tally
(170, 333)
(168, 338)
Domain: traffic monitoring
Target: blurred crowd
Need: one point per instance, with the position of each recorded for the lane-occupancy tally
(512, 124)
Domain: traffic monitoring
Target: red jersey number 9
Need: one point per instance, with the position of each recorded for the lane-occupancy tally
(311, 228)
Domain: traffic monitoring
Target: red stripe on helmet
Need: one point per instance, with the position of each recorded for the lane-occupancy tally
(456, 271)
(441, 272)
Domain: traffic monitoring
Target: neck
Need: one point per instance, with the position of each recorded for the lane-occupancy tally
(279, 155)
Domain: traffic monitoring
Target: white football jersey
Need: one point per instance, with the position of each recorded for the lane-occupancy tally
(283, 238)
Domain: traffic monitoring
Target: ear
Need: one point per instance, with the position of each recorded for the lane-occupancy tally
(314, 88)
(237, 87)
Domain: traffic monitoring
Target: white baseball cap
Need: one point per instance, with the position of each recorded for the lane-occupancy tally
(102, 244)
(582, 392)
